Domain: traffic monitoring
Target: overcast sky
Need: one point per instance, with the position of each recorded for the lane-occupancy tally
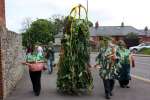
(106, 12)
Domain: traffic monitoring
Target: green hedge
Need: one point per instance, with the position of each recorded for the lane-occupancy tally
(145, 51)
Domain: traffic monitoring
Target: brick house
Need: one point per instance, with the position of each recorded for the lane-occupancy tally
(144, 36)
(118, 32)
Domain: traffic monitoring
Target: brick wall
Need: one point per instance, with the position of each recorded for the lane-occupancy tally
(12, 55)
(1, 78)
(2, 12)
(145, 39)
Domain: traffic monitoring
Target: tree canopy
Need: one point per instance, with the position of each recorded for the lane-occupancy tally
(131, 39)
(40, 31)
(43, 30)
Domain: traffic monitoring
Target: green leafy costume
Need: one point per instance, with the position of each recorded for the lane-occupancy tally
(73, 73)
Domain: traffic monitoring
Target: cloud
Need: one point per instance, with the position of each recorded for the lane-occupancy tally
(107, 12)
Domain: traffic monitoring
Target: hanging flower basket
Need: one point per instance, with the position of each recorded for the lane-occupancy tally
(35, 62)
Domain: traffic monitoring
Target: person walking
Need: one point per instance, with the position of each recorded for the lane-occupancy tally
(50, 59)
(126, 60)
(36, 81)
(29, 49)
(109, 65)
(36, 65)
(40, 50)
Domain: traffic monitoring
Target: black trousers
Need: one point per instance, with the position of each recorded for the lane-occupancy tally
(36, 81)
(123, 82)
(108, 85)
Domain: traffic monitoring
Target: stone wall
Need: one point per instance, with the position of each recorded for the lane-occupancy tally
(12, 55)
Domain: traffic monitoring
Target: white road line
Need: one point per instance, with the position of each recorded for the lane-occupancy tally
(140, 78)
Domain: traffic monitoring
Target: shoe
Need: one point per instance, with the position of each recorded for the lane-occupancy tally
(127, 86)
(122, 86)
(49, 72)
(36, 93)
(107, 97)
(111, 94)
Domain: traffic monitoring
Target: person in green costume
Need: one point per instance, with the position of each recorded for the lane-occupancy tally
(126, 60)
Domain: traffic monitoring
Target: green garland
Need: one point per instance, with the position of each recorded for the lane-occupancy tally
(74, 74)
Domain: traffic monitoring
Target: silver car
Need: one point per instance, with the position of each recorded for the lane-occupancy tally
(134, 49)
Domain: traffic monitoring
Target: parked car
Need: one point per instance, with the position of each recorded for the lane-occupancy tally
(137, 48)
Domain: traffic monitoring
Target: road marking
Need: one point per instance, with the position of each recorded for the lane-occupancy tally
(140, 78)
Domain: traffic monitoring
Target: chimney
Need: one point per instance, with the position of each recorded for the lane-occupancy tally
(96, 25)
(2, 13)
(146, 30)
(122, 24)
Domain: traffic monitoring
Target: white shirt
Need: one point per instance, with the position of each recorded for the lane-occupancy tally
(40, 50)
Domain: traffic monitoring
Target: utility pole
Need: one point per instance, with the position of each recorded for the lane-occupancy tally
(87, 7)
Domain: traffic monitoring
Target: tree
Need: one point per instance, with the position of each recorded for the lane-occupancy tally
(58, 21)
(131, 39)
(40, 31)
(90, 24)
(26, 24)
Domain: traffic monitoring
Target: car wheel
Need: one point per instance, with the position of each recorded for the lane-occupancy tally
(134, 51)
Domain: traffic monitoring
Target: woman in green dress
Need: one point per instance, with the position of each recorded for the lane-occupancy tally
(126, 60)
(109, 65)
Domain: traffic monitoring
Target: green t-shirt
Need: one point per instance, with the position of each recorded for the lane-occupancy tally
(124, 56)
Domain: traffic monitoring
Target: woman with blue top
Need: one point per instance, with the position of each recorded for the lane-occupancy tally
(126, 60)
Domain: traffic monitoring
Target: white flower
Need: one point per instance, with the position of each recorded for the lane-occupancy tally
(66, 36)
(68, 43)
(76, 33)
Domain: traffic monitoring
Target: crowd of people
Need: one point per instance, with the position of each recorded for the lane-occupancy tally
(114, 61)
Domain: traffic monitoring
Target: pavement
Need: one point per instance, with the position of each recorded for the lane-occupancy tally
(139, 89)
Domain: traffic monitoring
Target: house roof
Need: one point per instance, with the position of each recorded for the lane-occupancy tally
(113, 31)
(143, 32)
